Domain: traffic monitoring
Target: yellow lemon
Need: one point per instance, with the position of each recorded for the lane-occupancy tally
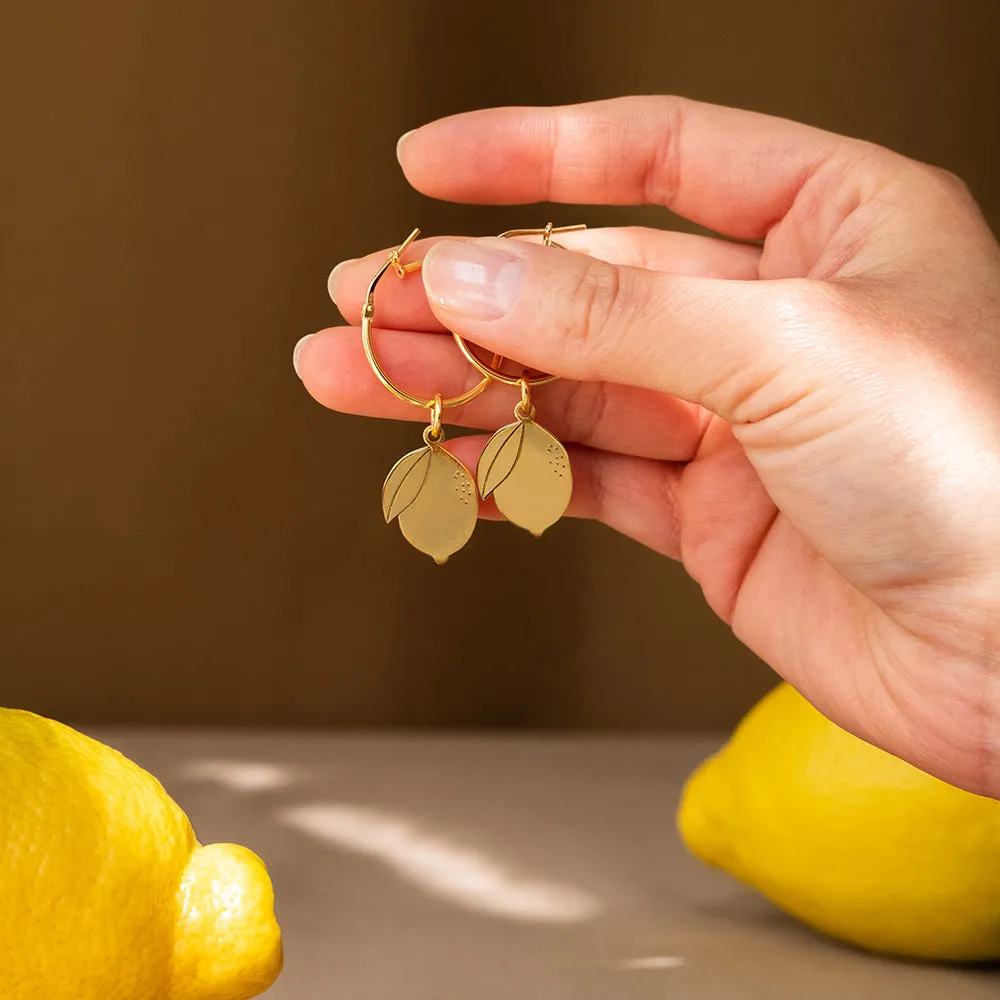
(848, 838)
(105, 894)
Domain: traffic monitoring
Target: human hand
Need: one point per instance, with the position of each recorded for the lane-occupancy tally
(812, 425)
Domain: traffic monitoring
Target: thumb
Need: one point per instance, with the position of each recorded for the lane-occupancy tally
(711, 341)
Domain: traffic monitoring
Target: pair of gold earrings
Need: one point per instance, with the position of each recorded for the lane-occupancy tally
(523, 466)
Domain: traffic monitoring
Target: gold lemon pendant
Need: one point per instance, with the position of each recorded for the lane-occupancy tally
(434, 498)
(526, 470)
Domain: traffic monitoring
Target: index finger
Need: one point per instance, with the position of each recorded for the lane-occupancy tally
(735, 172)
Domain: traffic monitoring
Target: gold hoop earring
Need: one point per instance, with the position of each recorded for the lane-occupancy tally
(429, 491)
(524, 467)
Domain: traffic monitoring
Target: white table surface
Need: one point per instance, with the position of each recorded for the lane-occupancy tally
(480, 868)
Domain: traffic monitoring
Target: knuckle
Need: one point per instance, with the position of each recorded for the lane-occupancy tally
(586, 409)
(950, 181)
(804, 304)
(597, 296)
(940, 185)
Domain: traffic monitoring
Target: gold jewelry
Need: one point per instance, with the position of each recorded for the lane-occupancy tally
(429, 490)
(523, 466)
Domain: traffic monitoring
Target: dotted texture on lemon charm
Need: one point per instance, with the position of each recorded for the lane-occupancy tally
(526, 470)
(433, 496)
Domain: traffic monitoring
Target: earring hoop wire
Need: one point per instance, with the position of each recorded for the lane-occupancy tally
(368, 319)
(490, 371)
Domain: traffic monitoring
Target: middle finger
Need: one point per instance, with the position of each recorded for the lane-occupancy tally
(611, 417)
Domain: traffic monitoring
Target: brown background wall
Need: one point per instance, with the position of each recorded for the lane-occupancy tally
(182, 539)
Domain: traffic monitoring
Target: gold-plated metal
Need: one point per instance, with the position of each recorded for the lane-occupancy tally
(433, 433)
(429, 491)
(545, 233)
(492, 370)
(402, 270)
(526, 470)
(368, 320)
(524, 467)
(524, 408)
(433, 496)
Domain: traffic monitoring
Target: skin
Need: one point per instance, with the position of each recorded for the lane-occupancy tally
(810, 421)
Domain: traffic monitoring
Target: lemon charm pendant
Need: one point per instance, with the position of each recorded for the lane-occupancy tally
(432, 495)
(429, 491)
(526, 470)
(523, 467)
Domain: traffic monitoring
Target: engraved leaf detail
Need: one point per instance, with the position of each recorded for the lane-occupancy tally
(404, 482)
(442, 517)
(499, 457)
(535, 493)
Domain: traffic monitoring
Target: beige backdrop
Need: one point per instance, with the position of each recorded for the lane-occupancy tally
(182, 535)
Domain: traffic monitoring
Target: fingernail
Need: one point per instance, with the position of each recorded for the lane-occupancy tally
(297, 351)
(401, 140)
(469, 278)
(331, 282)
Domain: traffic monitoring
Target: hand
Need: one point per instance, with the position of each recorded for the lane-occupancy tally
(812, 424)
